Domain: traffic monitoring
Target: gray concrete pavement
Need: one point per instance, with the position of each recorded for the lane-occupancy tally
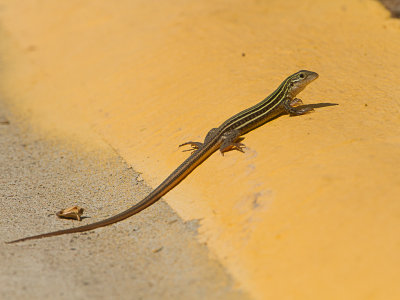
(154, 255)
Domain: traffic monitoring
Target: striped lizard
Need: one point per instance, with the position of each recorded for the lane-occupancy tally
(225, 138)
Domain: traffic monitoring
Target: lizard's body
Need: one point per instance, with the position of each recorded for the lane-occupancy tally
(226, 137)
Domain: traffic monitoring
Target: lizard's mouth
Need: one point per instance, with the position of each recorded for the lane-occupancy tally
(312, 76)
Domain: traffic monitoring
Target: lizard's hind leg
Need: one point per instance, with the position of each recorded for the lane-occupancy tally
(197, 145)
(231, 141)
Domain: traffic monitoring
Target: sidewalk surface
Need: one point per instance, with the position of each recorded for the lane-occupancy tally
(152, 256)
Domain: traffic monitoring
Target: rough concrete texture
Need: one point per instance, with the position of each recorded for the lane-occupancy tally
(153, 256)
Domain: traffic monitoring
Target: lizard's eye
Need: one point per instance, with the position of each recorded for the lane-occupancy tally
(291, 84)
(302, 75)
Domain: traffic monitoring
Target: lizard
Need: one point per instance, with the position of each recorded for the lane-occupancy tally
(226, 137)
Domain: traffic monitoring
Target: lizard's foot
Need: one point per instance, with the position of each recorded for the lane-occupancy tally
(300, 111)
(194, 146)
(295, 102)
(291, 107)
(233, 146)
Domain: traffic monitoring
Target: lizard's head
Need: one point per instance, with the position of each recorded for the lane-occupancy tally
(298, 81)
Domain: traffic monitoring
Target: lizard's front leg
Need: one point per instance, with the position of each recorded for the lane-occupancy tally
(291, 109)
(295, 102)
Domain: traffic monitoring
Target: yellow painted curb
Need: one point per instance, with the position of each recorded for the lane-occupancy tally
(311, 210)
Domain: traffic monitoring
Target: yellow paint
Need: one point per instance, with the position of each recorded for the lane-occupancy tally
(312, 210)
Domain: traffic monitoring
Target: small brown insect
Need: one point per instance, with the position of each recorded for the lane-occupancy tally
(74, 212)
